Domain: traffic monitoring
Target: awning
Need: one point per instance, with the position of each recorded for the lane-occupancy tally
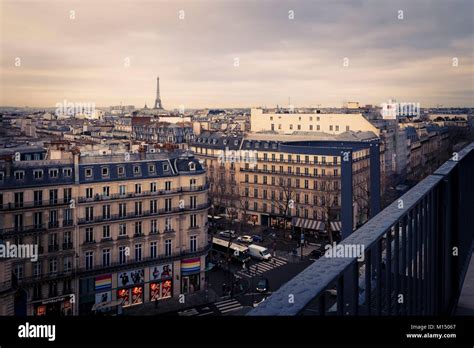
(335, 226)
(307, 224)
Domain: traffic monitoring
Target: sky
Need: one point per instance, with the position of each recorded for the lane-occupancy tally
(231, 53)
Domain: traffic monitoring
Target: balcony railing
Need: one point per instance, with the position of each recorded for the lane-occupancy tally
(147, 213)
(406, 264)
(32, 205)
(131, 195)
(273, 172)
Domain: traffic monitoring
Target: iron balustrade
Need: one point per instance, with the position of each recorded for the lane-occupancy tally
(131, 195)
(415, 257)
(146, 213)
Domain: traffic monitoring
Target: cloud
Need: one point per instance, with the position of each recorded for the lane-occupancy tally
(83, 58)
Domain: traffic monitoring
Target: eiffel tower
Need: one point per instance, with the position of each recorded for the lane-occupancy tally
(158, 104)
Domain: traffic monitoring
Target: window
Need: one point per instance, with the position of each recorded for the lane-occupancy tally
(347, 128)
(106, 191)
(89, 256)
(18, 199)
(67, 264)
(192, 221)
(153, 206)
(138, 228)
(105, 171)
(67, 172)
(136, 170)
(168, 247)
(53, 265)
(165, 167)
(151, 169)
(138, 188)
(106, 211)
(88, 172)
(153, 226)
(138, 208)
(67, 237)
(167, 204)
(153, 187)
(89, 234)
(37, 268)
(153, 250)
(168, 224)
(138, 252)
(318, 127)
(122, 210)
(106, 257)
(122, 190)
(18, 270)
(337, 128)
(53, 173)
(193, 243)
(167, 185)
(89, 192)
(38, 174)
(122, 230)
(122, 254)
(106, 231)
(192, 202)
(121, 171)
(330, 127)
(19, 175)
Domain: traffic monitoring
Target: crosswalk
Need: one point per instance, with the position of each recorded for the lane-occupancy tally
(227, 306)
(222, 307)
(261, 267)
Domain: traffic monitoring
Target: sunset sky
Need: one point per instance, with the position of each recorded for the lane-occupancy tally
(84, 59)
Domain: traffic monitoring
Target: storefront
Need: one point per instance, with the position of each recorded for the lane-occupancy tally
(190, 275)
(280, 222)
(59, 306)
(161, 282)
(130, 287)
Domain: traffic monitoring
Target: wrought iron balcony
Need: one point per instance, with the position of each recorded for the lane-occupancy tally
(413, 261)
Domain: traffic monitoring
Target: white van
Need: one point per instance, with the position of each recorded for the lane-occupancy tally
(259, 253)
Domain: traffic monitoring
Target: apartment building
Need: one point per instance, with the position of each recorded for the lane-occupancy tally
(125, 229)
(288, 123)
(293, 180)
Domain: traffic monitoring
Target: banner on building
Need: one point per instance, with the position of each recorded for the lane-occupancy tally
(190, 266)
(161, 272)
(103, 282)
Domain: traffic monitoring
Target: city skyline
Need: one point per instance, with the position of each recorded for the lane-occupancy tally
(237, 54)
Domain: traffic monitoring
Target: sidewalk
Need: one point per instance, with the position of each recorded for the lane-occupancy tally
(170, 305)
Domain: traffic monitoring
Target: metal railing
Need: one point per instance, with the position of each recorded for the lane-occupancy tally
(131, 195)
(412, 260)
(142, 214)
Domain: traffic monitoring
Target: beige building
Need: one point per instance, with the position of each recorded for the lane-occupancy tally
(288, 123)
(124, 229)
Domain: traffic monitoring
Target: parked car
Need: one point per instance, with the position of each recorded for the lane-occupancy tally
(262, 285)
(227, 234)
(257, 238)
(245, 239)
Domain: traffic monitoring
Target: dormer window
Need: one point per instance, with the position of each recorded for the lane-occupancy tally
(19, 175)
(53, 173)
(192, 166)
(88, 172)
(67, 172)
(38, 174)
(121, 171)
(151, 169)
(165, 167)
(136, 170)
(2, 175)
(105, 171)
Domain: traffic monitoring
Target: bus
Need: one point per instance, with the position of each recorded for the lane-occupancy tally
(237, 251)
